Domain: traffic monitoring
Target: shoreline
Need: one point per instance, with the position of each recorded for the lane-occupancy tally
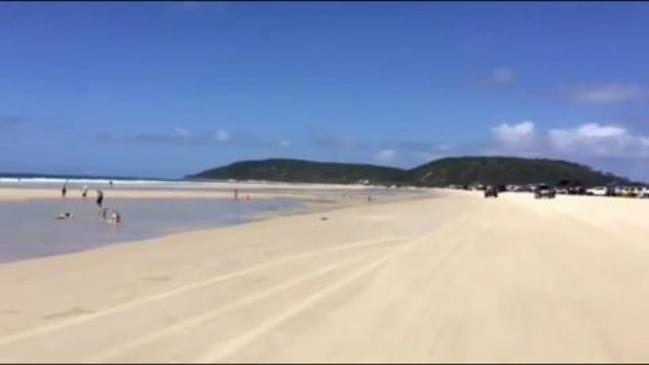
(212, 191)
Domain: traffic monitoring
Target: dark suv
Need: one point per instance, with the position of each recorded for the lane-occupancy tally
(491, 191)
(544, 191)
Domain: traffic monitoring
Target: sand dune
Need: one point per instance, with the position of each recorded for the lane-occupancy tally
(453, 277)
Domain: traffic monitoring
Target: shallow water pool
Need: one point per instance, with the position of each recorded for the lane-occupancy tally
(28, 229)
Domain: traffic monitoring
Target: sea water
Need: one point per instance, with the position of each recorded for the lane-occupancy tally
(29, 229)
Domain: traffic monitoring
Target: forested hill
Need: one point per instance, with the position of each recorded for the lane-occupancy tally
(506, 170)
(442, 172)
(290, 170)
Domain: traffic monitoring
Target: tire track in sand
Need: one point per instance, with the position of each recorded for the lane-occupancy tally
(205, 317)
(186, 288)
(217, 354)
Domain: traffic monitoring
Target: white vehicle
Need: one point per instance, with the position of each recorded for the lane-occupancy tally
(598, 191)
(644, 192)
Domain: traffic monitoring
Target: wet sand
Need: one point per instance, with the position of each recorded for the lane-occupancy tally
(453, 278)
(198, 190)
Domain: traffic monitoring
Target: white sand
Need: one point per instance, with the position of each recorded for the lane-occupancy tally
(452, 278)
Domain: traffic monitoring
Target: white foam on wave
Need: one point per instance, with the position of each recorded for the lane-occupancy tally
(59, 181)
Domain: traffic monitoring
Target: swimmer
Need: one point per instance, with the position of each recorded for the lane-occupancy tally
(115, 218)
(66, 215)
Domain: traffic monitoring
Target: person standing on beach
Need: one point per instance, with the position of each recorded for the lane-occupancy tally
(236, 194)
(64, 190)
(100, 198)
(110, 183)
(84, 191)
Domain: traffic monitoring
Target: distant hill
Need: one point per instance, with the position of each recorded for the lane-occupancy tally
(442, 172)
(290, 170)
(507, 170)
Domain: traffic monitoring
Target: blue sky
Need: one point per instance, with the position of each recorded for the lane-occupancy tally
(167, 89)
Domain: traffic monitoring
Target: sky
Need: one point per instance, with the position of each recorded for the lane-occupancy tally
(165, 89)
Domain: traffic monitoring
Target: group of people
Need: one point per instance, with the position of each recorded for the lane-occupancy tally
(236, 195)
(114, 217)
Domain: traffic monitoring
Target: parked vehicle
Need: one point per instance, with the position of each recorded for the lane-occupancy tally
(644, 193)
(544, 191)
(628, 191)
(530, 188)
(561, 190)
(576, 190)
(491, 191)
(600, 191)
(478, 187)
(571, 187)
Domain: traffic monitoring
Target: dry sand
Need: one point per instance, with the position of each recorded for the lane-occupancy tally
(453, 278)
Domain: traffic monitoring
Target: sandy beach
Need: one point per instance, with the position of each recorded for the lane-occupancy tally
(450, 277)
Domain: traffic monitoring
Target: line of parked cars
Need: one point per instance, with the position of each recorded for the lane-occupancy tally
(545, 190)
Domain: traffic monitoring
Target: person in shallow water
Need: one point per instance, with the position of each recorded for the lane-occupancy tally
(100, 198)
(66, 215)
(116, 218)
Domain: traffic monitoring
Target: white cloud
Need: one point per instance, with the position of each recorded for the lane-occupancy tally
(285, 144)
(386, 155)
(515, 134)
(600, 140)
(502, 76)
(181, 132)
(608, 94)
(589, 139)
(222, 136)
